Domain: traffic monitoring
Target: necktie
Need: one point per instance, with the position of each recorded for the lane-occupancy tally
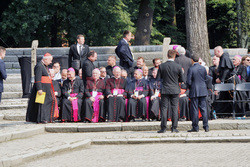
(81, 50)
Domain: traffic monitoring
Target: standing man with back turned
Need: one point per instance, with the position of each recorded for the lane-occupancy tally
(3, 74)
(123, 51)
(78, 53)
(171, 74)
(196, 82)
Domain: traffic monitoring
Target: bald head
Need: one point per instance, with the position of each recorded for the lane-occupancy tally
(218, 51)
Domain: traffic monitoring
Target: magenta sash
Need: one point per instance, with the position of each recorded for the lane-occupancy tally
(147, 112)
(239, 77)
(74, 107)
(96, 107)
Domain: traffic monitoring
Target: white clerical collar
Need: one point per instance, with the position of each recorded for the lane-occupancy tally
(170, 60)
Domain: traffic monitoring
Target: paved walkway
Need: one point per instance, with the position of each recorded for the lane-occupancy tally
(153, 155)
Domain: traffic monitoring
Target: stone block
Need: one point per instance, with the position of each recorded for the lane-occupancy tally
(103, 49)
(243, 126)
(109, 141)
(61, 129)
(10, 58)
(99, 128)
(13, 71)
(16, 51)
(144, 140)
(172, 140)
(5, 137)
(223, 126)
(81, 144)
(11, 95)
(13, 87)
(27, 133)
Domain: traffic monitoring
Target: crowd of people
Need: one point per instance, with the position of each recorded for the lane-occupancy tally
(178, 89)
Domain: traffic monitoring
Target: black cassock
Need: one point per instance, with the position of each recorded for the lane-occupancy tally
(183, 108)
(116, 103)
(154, 105)
(227, 75)
(94, 109)
(42, 113)
(73, 88)
(137, 108)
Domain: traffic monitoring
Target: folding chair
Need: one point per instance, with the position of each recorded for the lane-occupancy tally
(243, 87)
(223, 88)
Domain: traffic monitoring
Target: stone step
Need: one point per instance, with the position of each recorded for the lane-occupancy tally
(18, 100)
(12, 107)
(13, 71)
(23, 150)
(13, 79)
(11, 95)
(13, 87)
(12, 65)
(14, 114)
(143, 126)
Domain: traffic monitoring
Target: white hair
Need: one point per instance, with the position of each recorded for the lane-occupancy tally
(97, 70)
(181, 50)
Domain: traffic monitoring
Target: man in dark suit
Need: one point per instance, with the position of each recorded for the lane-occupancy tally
(78, 53)
(3, 74)
(171, 74)
(123, 51)
(88, 66)
(196, 82)
(184, 61)
(156, 62)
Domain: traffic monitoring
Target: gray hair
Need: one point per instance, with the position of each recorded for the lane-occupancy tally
(181, 51)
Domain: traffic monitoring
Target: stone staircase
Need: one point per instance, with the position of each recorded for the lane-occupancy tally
(13, 107)
(149, 52)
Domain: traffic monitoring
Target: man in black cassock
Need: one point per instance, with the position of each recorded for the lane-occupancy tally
(46, 112)
(137, 91)
(183, 109)
(57, 91)
(72, 91)
(240, 69)
(227, 75)
(155, 96)
(111, 64)
(88, 66)
(94, 101)
(115, 92)
(213, 70)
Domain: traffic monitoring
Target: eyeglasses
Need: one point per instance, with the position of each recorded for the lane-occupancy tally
(103, 71)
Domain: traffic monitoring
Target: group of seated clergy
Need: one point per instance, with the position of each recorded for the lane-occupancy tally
(109, 99)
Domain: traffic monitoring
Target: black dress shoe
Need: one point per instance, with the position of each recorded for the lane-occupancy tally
(193, 130)
(174, 131)
(161, 131)
(207, 130)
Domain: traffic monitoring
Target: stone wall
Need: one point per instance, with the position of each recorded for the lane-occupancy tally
(148, 52)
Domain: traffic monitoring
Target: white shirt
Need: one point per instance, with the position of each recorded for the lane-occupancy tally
(57, 76)
(78, 48)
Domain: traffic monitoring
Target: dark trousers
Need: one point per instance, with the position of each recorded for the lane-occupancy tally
(0, 96)
(171, 100)
(198, 102)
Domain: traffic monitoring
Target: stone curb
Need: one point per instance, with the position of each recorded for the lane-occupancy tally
(22, 134)
(171, 140)
(17, 160)
(138, 126)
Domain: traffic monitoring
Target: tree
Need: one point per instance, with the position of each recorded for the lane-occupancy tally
(242, 23)
(144, 23)
(196, 29)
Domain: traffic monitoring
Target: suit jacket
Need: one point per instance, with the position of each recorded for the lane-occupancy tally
(87, 69)
(3, 74)
(185, 63)
(124, 53)
(196, 81)
(74, 55)
(171, 74)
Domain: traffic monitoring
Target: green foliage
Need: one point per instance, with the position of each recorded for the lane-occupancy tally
(103, 21)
